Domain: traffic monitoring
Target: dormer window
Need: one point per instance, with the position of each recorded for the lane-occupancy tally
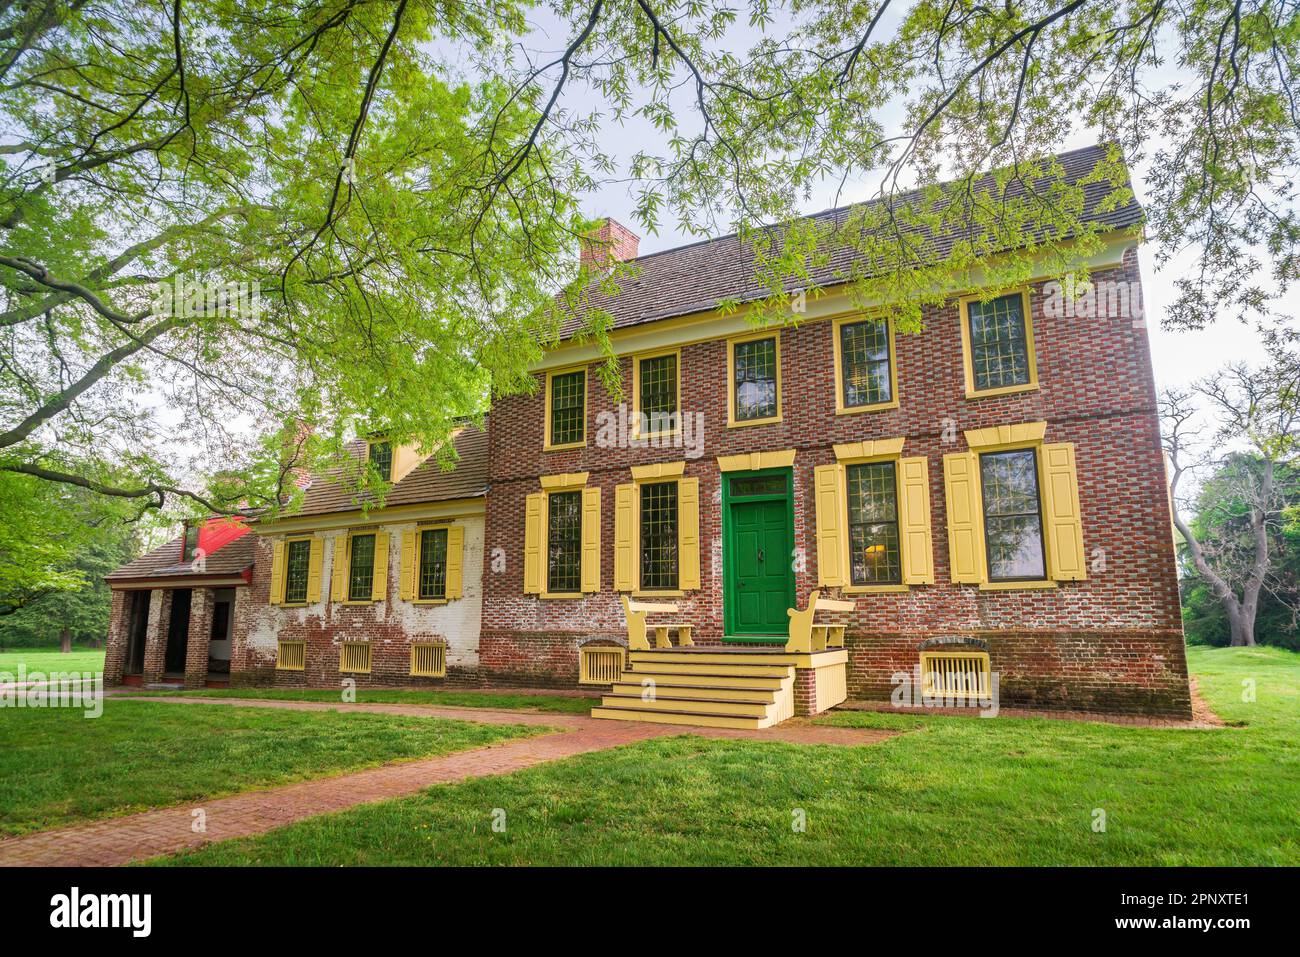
(190, 543)
(381, 457)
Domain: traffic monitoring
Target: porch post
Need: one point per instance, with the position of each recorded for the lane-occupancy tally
(155, 641)
(196, 648)
(119, 632)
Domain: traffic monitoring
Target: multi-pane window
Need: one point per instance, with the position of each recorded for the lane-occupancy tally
(1013, 522)
(568, 407)
(381, 457)
(864, 363)
(190, 542)
(874, 557)
(433, 564)
(659, 565)
(564, 543)
(755, 379)
(297, 561)
(361, 572)
(999, 351)
(658, 394)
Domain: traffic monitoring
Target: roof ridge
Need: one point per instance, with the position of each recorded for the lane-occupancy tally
(834, 210)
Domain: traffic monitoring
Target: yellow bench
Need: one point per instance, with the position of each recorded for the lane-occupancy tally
(807, 635)
(637, 627)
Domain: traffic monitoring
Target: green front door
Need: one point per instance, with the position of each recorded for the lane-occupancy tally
(759, 571)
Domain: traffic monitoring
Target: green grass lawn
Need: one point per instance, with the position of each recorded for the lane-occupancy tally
(49, 660)
(58, 767)
(558, 704)
(949, 791)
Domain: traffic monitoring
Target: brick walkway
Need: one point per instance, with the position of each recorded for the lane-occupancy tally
(152, 833)
(168, 830)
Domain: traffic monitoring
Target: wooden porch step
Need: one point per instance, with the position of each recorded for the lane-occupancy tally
(664, 689)
(666, 705)
(696, 657)
(639, 666)
(716, 679)
(682, 717)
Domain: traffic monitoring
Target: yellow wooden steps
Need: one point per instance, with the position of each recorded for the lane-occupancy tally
(718, 689)
(747, 709)
(687, 718)
(705, 667)
(667, 689)
(704, 656)
(704, 679)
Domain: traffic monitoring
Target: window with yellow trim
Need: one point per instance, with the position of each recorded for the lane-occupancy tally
(657, 531)
(297, 565)
(564, 542)
(754, 379)
(1014, 519)
(656, 393)
(865, 375)
(562, 538)
(296, 570)
(361, 567)
(381, 458)
(875, 557)
(873, 518)
(998, 344)
(566, 408)
(1013, 515)
(431, 568)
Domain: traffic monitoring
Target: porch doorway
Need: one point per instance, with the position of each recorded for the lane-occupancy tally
(178, 633)
(219, 637)
(137, 627)
(757, 555)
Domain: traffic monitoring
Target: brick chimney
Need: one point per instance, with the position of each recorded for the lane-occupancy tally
(610, 240)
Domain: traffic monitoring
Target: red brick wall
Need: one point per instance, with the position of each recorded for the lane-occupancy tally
(115, 647)
(1072, 646)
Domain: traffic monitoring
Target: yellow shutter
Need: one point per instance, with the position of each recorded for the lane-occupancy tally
(455, 561)
(1065, 561)
(533, 569)
(688, 533)
(965, 516)
(406, 577)
(277, 573)
(591, 539)
(339, 588)
(379, 584)
(624, 532)
(829, 485)
(314, 568)
(914, 521)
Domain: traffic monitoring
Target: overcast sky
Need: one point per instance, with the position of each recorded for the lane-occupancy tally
(1179, 357)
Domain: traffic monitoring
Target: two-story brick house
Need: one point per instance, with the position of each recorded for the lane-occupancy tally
(988, 493)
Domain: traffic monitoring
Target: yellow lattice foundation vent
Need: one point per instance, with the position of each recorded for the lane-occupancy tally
(955, 674)
(599, 665)
(291, 656)
(354, 658)
(429, 660)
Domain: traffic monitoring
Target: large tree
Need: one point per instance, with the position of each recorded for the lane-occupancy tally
(399, 177)
(1233, 524)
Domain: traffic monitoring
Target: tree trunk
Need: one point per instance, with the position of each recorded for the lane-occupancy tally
(1242, 630)
(65, 642)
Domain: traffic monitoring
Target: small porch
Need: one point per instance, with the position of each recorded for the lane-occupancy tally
(750, 686)
(174, 637)
(725, 686)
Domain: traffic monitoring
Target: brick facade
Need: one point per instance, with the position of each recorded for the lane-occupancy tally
(391, 626)
(1112, 642)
